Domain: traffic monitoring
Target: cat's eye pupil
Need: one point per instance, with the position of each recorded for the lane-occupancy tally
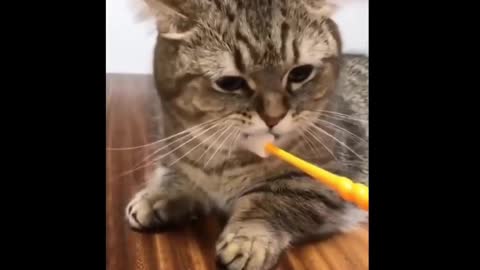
(231, 83)
(300, 74)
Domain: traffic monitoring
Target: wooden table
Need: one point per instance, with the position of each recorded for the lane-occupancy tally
(132, 105)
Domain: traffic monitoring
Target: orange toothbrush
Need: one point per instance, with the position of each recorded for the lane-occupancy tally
(352, 192)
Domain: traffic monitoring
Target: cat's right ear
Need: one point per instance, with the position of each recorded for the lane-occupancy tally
(171, 17)
(321, 9)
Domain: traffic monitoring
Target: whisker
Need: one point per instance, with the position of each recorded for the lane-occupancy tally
(175, 149)
(212, 144)
(344, 130)
(337, 115)
(168, 145)
(195, 147)
(333, 112)
(164, 139)
(315, 150)
(233, 143)
(309, 131)
(337, 140)
(180, 146)
(135, 169)
(218, 148)
(346, 119)
(356, 162)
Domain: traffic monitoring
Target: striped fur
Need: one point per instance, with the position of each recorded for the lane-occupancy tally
(269, 204)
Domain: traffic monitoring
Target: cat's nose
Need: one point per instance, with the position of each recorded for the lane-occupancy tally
(272, 106)
(272, 121)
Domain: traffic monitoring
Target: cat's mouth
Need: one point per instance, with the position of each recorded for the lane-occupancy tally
(247, 135)
(255, 142)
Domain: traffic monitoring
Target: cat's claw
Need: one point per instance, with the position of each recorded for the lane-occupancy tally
(249, 252)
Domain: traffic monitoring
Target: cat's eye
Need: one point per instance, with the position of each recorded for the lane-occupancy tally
(231, 83)
(300, 74)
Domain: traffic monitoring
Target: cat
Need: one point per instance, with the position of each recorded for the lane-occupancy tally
(226, 70)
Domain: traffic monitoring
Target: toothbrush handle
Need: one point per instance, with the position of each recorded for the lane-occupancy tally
(352, 192)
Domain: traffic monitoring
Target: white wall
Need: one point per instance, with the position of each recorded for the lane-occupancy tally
(130, 44)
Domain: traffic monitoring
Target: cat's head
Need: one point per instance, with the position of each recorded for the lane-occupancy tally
(266, 65)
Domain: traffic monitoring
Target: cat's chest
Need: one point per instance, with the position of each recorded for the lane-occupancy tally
(223, 187)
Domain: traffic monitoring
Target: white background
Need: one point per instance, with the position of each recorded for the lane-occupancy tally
(130, 44)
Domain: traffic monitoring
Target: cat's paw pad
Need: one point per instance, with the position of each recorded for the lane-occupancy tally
(242, 251)
(145, 213)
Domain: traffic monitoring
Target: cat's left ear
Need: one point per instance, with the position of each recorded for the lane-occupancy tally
(174, 18)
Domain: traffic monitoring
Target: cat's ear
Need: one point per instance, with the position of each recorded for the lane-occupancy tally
(173, 17)
(322, 9)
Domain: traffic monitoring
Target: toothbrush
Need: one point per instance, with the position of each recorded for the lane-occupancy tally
(352, 192)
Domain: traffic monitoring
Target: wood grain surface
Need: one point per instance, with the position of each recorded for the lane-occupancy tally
(132, 111)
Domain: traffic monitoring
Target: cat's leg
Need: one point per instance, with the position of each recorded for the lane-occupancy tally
(167, 198)
(268, 218)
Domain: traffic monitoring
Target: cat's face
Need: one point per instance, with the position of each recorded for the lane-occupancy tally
(266, 66)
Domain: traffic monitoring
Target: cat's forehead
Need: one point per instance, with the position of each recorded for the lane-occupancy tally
(250, 35)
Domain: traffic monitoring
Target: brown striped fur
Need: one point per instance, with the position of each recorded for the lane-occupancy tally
(269, 204)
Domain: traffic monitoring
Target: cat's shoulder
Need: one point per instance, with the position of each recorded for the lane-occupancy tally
(354, 69)
(355, 60)
(353, 82)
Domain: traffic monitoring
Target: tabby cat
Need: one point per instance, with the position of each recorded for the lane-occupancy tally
(226, 70)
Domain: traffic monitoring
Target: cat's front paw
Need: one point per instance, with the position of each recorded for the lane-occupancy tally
(246, 249)
(152, 209)
(145, 211)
